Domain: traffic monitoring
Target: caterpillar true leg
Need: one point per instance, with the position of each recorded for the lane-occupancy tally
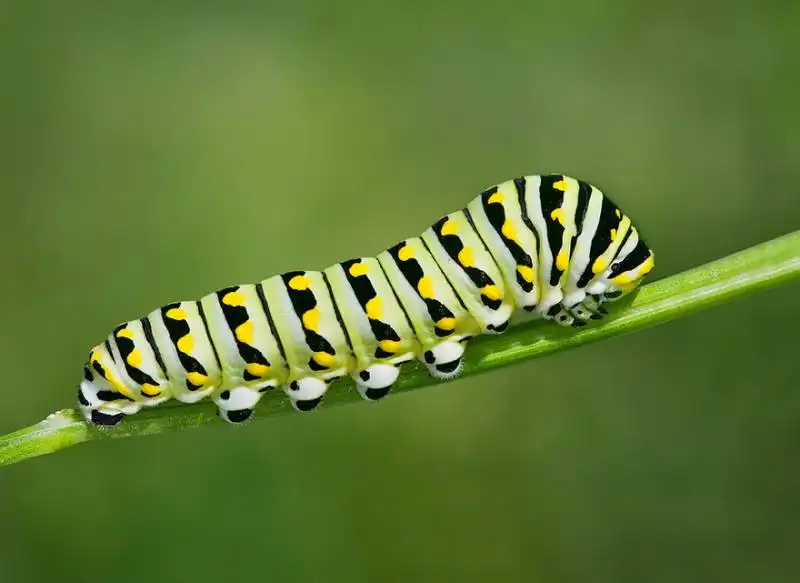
(587, 310)
(561, 316)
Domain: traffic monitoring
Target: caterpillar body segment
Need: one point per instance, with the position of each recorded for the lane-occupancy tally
(551, 204)
(380, 335)
(313, 339)
(471, 270)
(496, 214)
(548, 244)
(247, 348)
(437, 315)
(187, 350)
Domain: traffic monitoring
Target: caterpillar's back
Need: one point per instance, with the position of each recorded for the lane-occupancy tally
(552, 245)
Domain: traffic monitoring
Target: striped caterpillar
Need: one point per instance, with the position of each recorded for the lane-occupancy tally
(551, 245)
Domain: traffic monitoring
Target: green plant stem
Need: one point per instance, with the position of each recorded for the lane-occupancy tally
(760, 267)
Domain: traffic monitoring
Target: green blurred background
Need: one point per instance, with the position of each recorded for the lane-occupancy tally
(154, 151)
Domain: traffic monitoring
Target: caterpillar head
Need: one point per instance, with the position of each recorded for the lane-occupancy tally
(634, 261)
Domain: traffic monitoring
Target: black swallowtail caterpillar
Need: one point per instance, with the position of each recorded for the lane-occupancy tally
(551, 245)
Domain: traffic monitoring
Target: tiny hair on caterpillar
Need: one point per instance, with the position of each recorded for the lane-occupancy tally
(551, 245)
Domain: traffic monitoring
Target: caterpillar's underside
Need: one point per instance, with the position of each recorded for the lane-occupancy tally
(551, 245)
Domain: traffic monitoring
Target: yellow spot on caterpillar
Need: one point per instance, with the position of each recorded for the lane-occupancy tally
(311, 319)
(112, 380)
(599, 265)
(135, 358)
(299, 282)
(186, 344)
(425, 287)
(613, 234)
(562, 261)
(619, 214)
(324, 359)
(496, 197)
(526, 272)
(446, 324)
(234, 299)
(648, 265)
(465, 257)
(149, 390)
(176, 314)
(118, 386)
(125, 333)
(244, 332)
(374, 309)
(449, 227)
(358, 269)
(389, 345)
(509, 230)
(405, 253)
(558, 215)
(257, 369)
(622, 279)
(561, 185)
(491, 291)
(197, 379)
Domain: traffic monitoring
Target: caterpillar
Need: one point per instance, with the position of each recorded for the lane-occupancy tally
(551, 245)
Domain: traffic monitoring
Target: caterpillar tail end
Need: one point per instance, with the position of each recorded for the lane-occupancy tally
(99, 405)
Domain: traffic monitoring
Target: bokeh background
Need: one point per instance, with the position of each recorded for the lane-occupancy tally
(153, 151)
